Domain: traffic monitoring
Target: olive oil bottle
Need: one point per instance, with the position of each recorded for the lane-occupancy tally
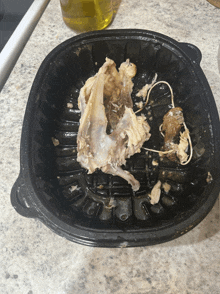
(86, 15)
(215, 3)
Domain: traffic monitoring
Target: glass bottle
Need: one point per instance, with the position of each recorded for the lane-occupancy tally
(87, 15)
(215, 3)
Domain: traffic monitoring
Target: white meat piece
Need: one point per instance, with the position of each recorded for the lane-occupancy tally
(166, 187)
(183, 146)
(155, 193)
(143, 92)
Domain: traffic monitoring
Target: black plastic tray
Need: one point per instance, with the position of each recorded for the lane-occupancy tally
(54, 188)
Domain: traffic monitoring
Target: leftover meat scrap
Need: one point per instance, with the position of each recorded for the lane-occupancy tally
(176, 143)
(155, 193)
(173, 122)
(166, 187)
(143, 92)
(209, 178)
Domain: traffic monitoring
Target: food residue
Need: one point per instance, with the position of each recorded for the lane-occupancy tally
(74, 188)
(166, 187)
(55, 141)
(143, 92)
(139, 104)
(209, 178)
(111, 204)
(70, 105)
(155, 163)
(155, 193)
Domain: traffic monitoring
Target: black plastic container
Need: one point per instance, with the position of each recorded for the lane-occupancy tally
(54, 188)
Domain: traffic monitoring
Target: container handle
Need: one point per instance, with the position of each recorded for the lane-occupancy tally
(19, 197)
(192, 51)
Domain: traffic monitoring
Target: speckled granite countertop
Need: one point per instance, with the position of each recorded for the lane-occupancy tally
(33, 260)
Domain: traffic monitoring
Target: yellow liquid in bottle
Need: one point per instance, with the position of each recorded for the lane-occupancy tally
(87, 15)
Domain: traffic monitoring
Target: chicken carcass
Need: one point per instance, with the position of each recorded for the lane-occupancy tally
(109, 130)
